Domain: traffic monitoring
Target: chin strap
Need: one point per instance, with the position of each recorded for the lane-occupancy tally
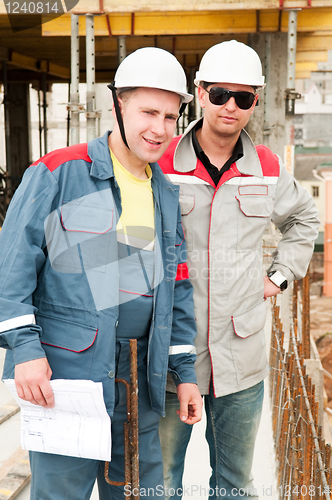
(118, 113)
(181, 110)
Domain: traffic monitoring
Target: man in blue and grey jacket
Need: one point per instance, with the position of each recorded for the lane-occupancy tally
(92, 253)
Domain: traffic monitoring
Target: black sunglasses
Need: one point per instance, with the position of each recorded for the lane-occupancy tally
(219, 96)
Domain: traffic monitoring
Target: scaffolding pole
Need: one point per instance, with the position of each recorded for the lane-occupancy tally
(40, 126)
(74, 83)
(122, 51)
(291, 53)
(44, 85)
(290, 93)
(91, 115)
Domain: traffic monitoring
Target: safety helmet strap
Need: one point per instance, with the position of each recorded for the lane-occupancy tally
(118, 113)
(181, 110)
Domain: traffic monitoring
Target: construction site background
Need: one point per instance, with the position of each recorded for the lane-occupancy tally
(293, 452)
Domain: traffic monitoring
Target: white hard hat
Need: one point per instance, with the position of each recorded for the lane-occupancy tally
(154, 68)
(231, 62)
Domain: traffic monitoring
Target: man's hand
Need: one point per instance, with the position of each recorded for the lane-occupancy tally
(32, 380)
(190, 403)
(270, 289)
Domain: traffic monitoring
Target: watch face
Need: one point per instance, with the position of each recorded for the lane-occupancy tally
(278, 279)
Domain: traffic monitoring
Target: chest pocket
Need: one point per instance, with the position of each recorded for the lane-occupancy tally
(255, 210)
(82, 235)
(187, 203)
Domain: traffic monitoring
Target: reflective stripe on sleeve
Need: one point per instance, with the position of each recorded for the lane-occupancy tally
(10, 324)
(181, 349)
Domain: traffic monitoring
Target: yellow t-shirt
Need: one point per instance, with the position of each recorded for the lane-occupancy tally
(136, 224)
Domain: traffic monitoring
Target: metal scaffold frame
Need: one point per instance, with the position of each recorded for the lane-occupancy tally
(74, 84)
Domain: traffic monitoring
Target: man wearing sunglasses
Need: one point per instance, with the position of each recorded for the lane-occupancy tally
(230, 190)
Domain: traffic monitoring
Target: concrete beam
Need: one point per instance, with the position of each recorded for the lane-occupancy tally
(95, 6)
(32, 64)
(55, 70)
(158, 23)
(180, 45)
(207, 21)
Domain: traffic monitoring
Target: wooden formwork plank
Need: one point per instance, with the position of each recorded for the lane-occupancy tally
(14, 475)
(7, 411)
(10, 463)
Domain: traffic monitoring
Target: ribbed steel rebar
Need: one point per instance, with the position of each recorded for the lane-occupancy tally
(304, 458)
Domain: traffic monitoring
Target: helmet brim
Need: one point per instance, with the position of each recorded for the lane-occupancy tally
(185, 97)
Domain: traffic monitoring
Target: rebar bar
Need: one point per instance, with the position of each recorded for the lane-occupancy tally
(130, 428)
(303, 457)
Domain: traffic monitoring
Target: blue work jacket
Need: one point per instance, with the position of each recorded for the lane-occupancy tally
(59, 274)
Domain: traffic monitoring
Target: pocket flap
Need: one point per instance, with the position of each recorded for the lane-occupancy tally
(187, 202)
(89, 214)
(66, 335)
(251, 321)
(256, 206)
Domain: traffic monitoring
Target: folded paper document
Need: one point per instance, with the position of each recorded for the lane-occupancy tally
(77, 426)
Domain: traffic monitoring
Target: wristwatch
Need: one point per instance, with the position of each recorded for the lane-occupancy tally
(278, 279)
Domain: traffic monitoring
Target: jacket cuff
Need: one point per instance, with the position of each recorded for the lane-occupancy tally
(188, 376)
(285, 271)
(28, 351)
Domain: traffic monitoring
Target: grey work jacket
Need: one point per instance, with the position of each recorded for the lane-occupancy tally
(224, 226)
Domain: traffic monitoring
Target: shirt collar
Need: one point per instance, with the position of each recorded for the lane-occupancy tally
(214, 172)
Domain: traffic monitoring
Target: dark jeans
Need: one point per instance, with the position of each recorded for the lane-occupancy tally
(232, 424)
